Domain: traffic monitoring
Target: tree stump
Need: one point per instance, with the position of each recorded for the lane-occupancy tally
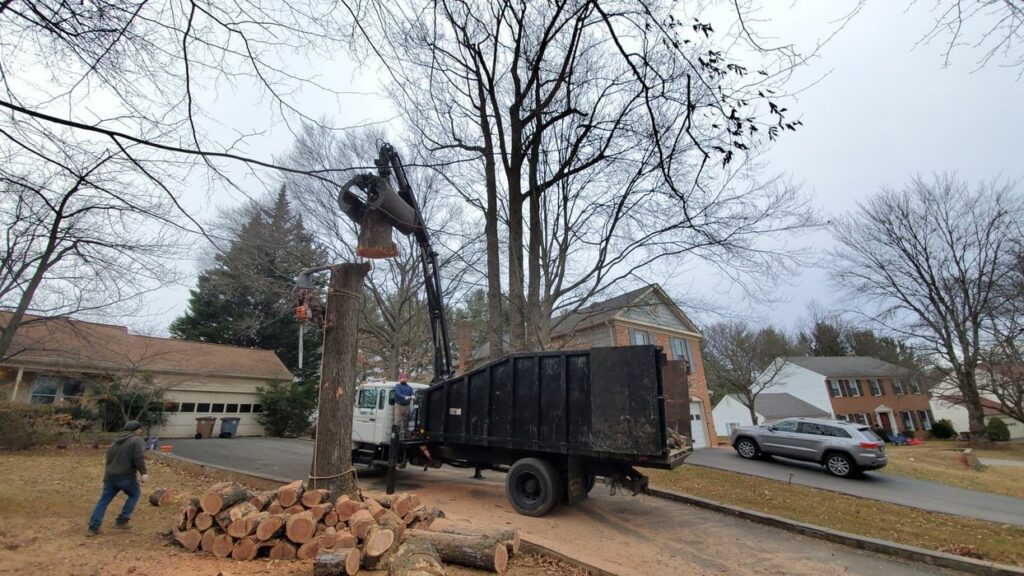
(222, 496)
(338, 562)
(375, 237)
(332, 467)
(475, 552)
(161, 497)
(189, 539)
(300, 528)
(416, 557)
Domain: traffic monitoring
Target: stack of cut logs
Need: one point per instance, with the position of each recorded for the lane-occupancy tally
(385, 533)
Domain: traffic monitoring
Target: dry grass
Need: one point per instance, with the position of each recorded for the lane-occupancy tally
(46, 498)
(910, 526)
(940, 462)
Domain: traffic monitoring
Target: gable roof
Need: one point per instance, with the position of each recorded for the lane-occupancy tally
(848, 366)
(93, 347)
(605, 310)
(774, 405)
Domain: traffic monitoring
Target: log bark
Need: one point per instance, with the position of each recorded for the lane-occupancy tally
(416, 557)
(308, 551)
(240, 510)
(270, 526)
(311, 498)
(375, 237)
(221, 496)
(422, 517)
(203, 521)
(223, 545)
(300, 528)
(378, 547)
(338, 562)
(475, 552)
(282, 551)
(189, 539)
(332, 466)
(245, 548)
(161, 497)
(206, 544)
(361, 522)
(346, 507)
(290, 494)
(508, 536)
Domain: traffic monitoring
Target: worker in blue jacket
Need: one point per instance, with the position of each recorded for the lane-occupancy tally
(403, 402)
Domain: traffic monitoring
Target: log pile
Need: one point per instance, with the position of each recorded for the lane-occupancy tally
(389, 533)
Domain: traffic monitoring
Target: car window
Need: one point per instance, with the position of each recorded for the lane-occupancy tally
(810, 428)
(785, 426)
(368, 399)
(836, 432)
(869, 434)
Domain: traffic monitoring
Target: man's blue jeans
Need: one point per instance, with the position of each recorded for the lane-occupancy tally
(129, 486)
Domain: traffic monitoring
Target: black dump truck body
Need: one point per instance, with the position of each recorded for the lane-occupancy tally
(571, 415)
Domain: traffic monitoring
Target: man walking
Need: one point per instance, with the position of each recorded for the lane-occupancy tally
(125, 458)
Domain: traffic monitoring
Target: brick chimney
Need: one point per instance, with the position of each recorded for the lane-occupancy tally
(465, 342)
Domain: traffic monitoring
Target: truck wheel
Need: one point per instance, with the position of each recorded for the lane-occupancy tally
(589, 484)
(532, 486)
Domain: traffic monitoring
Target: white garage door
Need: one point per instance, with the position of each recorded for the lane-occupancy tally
(697, 425)
(189, 405)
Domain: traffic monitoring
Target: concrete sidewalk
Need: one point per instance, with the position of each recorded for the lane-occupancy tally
(900, 490)
(625, 535)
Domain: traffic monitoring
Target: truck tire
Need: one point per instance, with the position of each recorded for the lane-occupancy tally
(533, 486)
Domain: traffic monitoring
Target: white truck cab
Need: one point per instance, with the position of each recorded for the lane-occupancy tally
(372, 417)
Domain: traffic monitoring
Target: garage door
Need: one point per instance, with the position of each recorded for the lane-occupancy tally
(697, 426)
(185, 406)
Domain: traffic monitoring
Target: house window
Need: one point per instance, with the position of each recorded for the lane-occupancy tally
(926, 421)
(915, 386)
(695, 417)
(853, 388)
(908, 420)
(876, 387)
(188, 406)
(681, 350)
(897, 387)
(55, 389)
(843, 417)
(860, 419)
(869, 418)
(639, 337)
(834, 388)
(203, 407)
(245, 408)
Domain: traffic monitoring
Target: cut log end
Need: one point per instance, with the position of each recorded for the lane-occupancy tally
(245, 549)
(223, 545)
(378, 541)
(161, 497)
(282, 551)
(221, 496)
(308, 551)
(189, 539)
(416, 557)
(375, 239)
(301, 528)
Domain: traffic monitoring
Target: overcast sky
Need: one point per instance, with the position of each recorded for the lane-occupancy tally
(876, 111)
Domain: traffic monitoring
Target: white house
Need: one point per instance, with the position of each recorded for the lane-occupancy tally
(950, 407)
(769, 407)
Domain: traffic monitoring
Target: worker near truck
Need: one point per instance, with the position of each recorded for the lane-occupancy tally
(125, 460)
(403, 401)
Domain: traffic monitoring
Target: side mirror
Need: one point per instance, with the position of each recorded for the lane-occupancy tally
(771, 428)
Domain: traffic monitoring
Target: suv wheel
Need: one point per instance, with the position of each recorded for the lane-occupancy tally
(747, 449)
(841, 465)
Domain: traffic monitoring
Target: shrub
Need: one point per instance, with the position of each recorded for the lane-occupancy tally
(943, 430)
(997, 430)
(25, 426)
(287, 408)
(135, 397)
(908, 434)
(881, 433)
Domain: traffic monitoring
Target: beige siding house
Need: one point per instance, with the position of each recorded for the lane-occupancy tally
(59, 360)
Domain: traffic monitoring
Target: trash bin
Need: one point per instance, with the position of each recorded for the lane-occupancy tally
(204, 426)
(228, 427)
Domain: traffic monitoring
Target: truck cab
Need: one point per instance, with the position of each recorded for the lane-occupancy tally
(372, 418)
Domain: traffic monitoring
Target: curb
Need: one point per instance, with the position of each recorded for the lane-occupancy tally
(902, 551)
(270, 482)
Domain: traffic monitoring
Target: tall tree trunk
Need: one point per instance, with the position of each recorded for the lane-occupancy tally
(495, 321)
(516, 297)
(533, 311)
(394, 357)
(332, 456)
(975, 411)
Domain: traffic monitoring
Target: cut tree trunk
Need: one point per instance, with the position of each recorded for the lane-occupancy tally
(332, 465)
(282, 551)
(416, 557)
(240, 510)
(246, 525)
(475, 552)
(161, 497)
(300, 528)
(375, 239)
(290, 494)
(508, 536)
(270, 526)
(375, 508)
(378, 547)
(338, 562)
(189, 539)
(361, 522)
(245, 549)
(203, 521)
(223, 545)
(308, 551)
(311, 498)
(261, 500)
(222, 496)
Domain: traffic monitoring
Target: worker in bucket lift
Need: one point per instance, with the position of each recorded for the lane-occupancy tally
(403, 402)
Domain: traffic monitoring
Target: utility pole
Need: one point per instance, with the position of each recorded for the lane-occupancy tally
(332, 455)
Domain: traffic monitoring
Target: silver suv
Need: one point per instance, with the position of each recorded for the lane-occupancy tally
(843, 448)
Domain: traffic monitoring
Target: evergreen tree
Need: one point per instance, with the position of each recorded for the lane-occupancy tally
(245, 298)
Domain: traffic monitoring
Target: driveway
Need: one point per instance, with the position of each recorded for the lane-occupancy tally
(626, 535)
(885, 487)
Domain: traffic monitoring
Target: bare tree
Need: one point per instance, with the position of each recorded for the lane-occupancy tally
(1003, 366)
(931, 258)
(744, 361)
(996, 27)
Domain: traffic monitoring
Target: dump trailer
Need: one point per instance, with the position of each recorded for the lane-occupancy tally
(554, 421)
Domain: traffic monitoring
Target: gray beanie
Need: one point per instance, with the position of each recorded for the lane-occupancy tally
(132, 426)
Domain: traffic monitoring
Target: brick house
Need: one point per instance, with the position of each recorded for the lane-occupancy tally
(60, 360)
(858, 389)
(645, 316)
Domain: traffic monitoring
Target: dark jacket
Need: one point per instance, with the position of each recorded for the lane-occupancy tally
(403, 394)
(125, 457)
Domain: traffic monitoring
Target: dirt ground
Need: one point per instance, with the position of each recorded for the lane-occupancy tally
(46, 498)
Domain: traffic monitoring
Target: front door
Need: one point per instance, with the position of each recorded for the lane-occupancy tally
(883, 417)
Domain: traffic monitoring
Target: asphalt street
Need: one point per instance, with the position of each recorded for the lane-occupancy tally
(875, 485)
(623, 534)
